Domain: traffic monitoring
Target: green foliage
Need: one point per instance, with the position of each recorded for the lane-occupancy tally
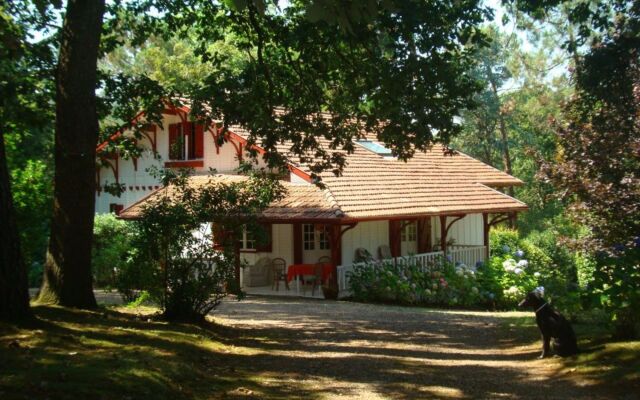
(548, 264)
(441, 283)
(189, 276)
(112, 240)
(617, 282)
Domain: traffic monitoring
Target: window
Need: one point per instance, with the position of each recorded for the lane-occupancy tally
(375, 147)
(186, 141)
(324, 238)
(315, 237)
(248, 240)
(308, 237)
(409, 232)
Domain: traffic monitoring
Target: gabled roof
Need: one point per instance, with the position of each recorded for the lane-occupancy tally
(374, 186)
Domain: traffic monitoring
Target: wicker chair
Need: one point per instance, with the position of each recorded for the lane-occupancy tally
(384, 252)
(279, 273)
(314, 280)
(324, 260)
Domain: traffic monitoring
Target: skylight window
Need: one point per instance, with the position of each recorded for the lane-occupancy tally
(375, 147)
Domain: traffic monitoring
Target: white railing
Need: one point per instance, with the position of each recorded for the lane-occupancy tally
(465, 254)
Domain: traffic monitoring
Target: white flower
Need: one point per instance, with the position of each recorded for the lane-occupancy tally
(540, 289)
(427, 292)
(536, 274)
(523, 263)
(509, 265)
(474, 290)
(459, 272)
(518, 271)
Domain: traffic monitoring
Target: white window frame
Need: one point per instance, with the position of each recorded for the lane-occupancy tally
(248, 240)
(308, 237)
(409, 232)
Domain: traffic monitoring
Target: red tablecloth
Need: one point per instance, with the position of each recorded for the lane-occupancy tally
(308, 269)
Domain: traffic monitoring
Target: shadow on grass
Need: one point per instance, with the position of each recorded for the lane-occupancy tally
(316, 354)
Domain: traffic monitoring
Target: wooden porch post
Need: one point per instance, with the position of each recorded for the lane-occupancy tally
(424, 235)
(336, 251)
(485, 235)
(297, 243)
(443, 234)
(336, 244)
(394, 237)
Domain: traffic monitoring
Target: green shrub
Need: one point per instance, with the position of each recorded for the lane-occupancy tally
(617, 282)
(111, 244)
(441, 283)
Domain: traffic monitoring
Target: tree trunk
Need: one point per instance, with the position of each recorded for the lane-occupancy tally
(14, 295)
(67, 277)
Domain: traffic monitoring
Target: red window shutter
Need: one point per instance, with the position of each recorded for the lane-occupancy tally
(218, 236)
(115, 208)
(199, 141)
(174, 148)
(267, 245)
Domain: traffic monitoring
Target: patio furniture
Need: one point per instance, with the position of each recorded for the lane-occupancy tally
(324, 260)
(314, 279)
(279, 273)
(362, 255)
(384, 252)
(258, 274)
(296, 270)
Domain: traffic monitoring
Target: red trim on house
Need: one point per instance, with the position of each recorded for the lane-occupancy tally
(300, 173)
(184, 164)
(119, 132)
(297, 243)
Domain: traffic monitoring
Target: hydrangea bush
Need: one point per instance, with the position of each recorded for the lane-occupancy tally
(441, 283)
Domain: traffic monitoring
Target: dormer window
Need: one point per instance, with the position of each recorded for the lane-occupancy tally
(186, 141)
(375, 147)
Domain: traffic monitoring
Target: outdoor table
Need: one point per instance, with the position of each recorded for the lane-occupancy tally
(297, 270)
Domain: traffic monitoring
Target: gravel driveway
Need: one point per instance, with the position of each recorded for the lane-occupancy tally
(324, 349)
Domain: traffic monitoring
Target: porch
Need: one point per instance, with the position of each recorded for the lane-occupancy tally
(469, 255)
(465, 254)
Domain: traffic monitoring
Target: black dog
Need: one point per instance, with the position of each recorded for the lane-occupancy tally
(552, 325)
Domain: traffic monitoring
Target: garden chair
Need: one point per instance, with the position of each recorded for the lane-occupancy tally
(384, 252)
(259, 273)
(279, 273)
(314, 280)
(324, 260)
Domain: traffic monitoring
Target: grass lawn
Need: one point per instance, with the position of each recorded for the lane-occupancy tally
(120, 353)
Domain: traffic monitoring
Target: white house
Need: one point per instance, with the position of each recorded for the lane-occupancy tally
(433, 203)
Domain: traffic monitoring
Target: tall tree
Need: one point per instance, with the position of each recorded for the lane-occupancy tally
(67, 278)
(402, 62)
(20, 103)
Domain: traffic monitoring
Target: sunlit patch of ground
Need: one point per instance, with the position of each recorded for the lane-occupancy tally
(295, 348)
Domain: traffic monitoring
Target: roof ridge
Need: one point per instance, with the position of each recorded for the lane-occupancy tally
(328, 194)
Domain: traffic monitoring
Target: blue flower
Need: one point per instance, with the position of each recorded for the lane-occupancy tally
(479, 264)
(506, 249)
(519, 253)
(449, 258)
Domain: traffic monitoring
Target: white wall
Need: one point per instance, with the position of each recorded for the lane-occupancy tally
(282, 245)
(368, 235)
(468, 230)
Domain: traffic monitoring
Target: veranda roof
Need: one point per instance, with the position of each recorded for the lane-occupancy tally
(303, 202)
(365, 199)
